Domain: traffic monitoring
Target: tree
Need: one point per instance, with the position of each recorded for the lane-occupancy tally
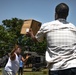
(3, 41)
(13, 28)
(10, 35)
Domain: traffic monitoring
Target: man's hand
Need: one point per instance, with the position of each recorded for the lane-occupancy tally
(30, 34)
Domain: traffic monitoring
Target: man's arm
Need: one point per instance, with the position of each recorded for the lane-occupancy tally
(33, 38)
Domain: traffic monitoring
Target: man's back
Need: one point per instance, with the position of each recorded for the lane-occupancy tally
(61, 43)
(60, 33)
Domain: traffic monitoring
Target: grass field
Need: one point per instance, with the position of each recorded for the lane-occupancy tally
(43, 72)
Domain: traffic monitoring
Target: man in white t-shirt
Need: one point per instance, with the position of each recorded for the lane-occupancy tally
(61, 42)
(12, 65)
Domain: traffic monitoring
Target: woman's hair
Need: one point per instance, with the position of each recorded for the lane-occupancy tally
(16, 47)
(12, 55)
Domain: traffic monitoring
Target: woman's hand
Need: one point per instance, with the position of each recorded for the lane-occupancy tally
(27, 56)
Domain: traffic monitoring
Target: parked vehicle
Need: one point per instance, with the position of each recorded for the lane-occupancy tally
(37, 61)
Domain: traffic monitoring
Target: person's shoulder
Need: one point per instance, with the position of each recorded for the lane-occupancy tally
(72, 25)
(52, 22)
(47, 24)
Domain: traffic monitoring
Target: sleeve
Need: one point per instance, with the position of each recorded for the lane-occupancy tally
(20, 57)
(40, 34)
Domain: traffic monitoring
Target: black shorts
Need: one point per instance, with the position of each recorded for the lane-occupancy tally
(70, 71)
(21, 69)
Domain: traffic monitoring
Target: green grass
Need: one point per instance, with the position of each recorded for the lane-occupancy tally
(43, 72)
(34, 73)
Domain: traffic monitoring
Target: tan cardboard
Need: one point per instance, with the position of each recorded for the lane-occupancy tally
(30, 23)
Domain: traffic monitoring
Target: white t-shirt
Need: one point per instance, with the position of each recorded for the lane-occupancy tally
(61, 44)
(13, 65)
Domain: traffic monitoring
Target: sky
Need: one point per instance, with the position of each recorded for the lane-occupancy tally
(40, 10)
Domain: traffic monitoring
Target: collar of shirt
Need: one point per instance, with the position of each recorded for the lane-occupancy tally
(61, 20)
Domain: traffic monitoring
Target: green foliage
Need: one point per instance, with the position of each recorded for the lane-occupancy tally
(38, 47)
(10, 35)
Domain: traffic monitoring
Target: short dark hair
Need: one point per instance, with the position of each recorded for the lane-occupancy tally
(62, 10)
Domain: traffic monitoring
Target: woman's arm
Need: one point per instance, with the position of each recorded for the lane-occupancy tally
(25, 59)
(12, 55)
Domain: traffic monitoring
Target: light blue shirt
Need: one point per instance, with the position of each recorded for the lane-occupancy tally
(21, 63)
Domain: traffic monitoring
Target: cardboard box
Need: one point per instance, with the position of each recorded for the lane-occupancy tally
(30, 23)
